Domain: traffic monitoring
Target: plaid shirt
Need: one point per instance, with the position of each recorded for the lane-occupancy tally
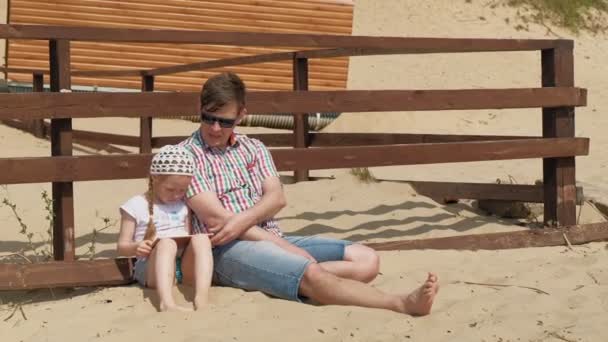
(235, 173)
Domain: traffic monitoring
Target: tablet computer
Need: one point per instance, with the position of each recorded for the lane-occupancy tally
(182, 241)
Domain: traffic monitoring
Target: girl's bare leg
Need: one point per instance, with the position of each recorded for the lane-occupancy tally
(160, 273)
(197, 267)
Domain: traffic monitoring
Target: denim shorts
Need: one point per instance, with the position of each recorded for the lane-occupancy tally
(264, 266)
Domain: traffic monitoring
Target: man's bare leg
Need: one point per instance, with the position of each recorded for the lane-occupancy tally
(326, 288)
(360, 263)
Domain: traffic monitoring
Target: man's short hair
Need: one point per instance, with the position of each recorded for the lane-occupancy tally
(222, 89)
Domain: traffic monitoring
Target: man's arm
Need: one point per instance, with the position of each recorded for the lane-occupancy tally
(227, 226)
(208, 209)
(271, 202)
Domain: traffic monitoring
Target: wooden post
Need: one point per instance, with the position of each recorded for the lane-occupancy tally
(559, 173)
(145, 123)
(61, 145)
(37, 125)
(300, 128)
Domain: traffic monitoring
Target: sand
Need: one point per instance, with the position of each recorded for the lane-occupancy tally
(547, 294)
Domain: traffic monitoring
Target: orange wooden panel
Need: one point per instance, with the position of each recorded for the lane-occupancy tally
(285, 16)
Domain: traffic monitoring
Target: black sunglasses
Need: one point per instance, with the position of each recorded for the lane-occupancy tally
(210, 119)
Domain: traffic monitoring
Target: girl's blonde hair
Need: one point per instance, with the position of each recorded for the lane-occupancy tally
(151, 229)
(170, 160)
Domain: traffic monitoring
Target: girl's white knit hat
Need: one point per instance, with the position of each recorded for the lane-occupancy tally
(172, 160)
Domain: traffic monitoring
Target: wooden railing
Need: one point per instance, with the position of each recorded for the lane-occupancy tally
(557, 146)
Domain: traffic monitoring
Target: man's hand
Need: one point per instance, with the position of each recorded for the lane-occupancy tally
(229, 230)
(144, 248)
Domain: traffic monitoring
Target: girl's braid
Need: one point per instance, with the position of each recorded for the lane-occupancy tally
(151, 230)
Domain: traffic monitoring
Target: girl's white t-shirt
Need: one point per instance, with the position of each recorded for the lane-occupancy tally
(169, 219)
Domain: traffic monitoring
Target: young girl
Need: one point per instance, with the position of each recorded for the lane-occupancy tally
(151, 221)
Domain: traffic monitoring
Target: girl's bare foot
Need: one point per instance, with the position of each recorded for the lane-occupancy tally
(199, 302)
(420, 301)
(173, 307)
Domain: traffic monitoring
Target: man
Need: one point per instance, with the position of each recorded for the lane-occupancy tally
(235, 195)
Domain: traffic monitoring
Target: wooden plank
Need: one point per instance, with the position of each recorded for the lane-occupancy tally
(158, 142)
(411, 100)
(366, 139)
(23, 70)
(84, 105)
(37, 125)
(88, 105)
(504, 192)
(84, 168)
(76, 168)
(577, 235)
(340, 139)
(365, 156)
(210, 10)
(103, 16)
(417, 45)
(362, 51)
(100, 146)
(108, 73)
(559, 176)
(300, 121)
(61, 145)
(224, 62)
(88, 137)
(102, 272)
(145, 122)
(108, 138)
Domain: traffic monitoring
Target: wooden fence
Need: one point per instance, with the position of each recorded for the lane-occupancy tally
(557, 146)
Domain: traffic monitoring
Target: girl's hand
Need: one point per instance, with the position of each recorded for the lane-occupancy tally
(144, 248)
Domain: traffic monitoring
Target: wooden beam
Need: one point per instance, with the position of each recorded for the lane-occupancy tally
(340, 139)
(88, 105)
(559, 174)
(85, 105)
(362, 51)
(504, 192)
(100, 146)
(24, 70)
(349, 139)
(108, 73)
(108, 138)
(145, 122)
(102, 272)
(413, 45)
(300, 121)
(37, 125)
(577, 235)
(61, 145)
(84, 168)
(91, 139)
(224, 62)
(76, 168)
(366, 139)
(412, 100)
(158, 142)
(365, 156)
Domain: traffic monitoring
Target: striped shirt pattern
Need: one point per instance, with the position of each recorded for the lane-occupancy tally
(235, 174)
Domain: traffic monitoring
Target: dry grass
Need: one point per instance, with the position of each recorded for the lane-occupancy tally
(363, 174)
(575, 15)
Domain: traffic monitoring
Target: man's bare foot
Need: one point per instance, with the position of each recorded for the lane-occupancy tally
(420, 301)
(200, 302)
(173, 307)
